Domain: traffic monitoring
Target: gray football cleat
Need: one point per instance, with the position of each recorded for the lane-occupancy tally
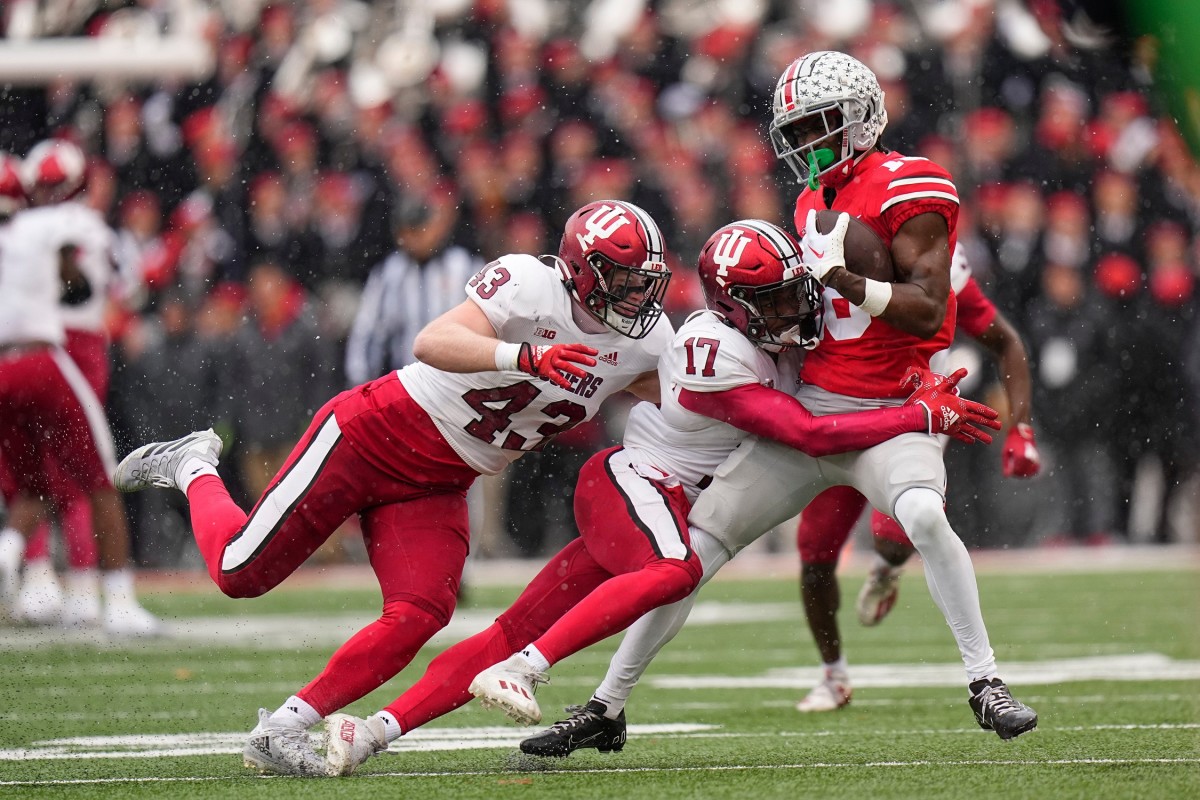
(157, 463)
(281, 749)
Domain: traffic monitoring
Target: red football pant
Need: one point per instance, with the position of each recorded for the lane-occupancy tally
(828, 520)
(594, 587)
(417, 537)
(89, 351)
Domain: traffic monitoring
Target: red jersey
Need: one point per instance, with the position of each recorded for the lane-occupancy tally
(861, 355)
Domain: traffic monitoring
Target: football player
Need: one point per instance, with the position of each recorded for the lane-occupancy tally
(56, 441)
(534, 350)
(722, 375)
(827, 522)
(828, 113)
(54, 174)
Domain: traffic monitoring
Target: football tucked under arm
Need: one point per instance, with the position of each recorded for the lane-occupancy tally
(771, 414)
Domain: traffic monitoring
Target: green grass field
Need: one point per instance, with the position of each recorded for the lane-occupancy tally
(1111, 660)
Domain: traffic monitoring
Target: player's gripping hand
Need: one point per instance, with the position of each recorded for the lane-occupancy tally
(555, 363)
(1021, 458)
(948, 413)
(824, 252)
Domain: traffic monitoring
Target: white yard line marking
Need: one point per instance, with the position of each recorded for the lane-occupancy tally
(1135, 667)
(456, 739)
(1056, 762)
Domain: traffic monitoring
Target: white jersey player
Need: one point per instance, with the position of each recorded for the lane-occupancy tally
(533, 350)
(635, 552)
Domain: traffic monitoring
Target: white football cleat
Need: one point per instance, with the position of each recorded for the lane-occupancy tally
(281, 749)
(510, 686)
(349, 741)
(878, 595)
(156, 464)
(130, 619)
(40, 601)
(828, 695)
(12, 549)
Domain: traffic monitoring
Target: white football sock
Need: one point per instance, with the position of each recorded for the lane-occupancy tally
(295, 713)
(950, 575)
(838, 667)
(390, 725)
(117, 585)
(190, 469)
(535, 658)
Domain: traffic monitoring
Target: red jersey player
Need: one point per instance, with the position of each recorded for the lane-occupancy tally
(499, 375)
(828, 113)
(826, 523)
(635, 552)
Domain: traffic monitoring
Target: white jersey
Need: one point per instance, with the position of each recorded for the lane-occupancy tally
(492, 418)
(706, 356)
(84, 228)
(29, 280)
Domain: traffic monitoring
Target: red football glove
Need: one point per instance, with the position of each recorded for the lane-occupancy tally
(1021, 458)
(950, 414)
(920, 379)
(555, 362)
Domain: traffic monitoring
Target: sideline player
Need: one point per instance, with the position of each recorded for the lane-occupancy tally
(54, 174)
(828, 113)
(401, 451)
(634, 552)
(55, 439)
(827, 522)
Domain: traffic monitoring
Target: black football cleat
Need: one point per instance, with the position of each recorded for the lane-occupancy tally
(585, 727)
(997, 710)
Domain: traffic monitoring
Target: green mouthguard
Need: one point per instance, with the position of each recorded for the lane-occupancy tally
(817, 161)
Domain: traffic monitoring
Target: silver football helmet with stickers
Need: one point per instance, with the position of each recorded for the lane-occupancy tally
(828, 111)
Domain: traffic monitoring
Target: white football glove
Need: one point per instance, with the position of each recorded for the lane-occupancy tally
(823, 252)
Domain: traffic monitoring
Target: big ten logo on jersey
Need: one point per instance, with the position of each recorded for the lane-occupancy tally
(729, 253)
(489, 279)
(544, 333)
(603, 223)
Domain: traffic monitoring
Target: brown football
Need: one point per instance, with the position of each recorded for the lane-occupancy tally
(866, 254)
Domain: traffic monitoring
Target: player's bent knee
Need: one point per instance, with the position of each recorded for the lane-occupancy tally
(677, 578)
(922, 514)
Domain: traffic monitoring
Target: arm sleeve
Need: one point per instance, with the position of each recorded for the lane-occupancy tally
(782, 418)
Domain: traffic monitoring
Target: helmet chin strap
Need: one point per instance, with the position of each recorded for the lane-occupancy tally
(817, 161)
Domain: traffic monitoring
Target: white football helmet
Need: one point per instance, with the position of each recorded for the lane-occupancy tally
(840, 92)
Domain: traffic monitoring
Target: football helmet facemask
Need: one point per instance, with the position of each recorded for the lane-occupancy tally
(614, 263)
(54, 171)
(752, 276)
(827, 112)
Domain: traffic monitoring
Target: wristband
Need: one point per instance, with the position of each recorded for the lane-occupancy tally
(507, 355)
(876, 296)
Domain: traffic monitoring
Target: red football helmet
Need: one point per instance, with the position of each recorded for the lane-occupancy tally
(752, 276)
(53, 171)
(613, 255)
(12, 192)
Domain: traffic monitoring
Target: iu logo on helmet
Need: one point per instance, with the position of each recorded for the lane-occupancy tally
(729, 253)
(603, 223)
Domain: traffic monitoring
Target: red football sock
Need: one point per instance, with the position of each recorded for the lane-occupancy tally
(371, 658)
(215, 519)
(38, 545)
(443, 687)
(79, 537)
(614, 606)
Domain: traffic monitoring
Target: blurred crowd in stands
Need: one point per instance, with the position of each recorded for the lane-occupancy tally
(342, 144)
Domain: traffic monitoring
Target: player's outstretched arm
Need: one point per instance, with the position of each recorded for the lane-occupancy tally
(774, 415)
(463, 340)
(1020, 458)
